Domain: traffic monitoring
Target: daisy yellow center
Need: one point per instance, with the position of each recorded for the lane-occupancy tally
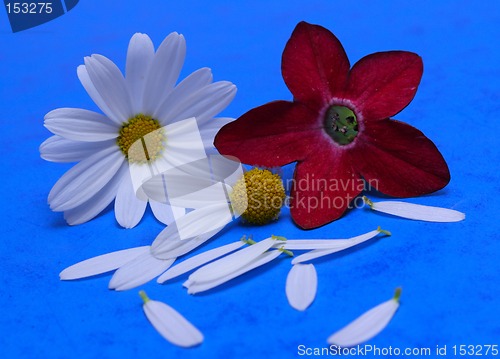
(258, 196)
(141, 139)
(341, 124)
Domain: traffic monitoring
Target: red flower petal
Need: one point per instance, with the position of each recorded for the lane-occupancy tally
(382, 84)
(323, 188)
(271, 135)
(314, 65)
(399, 160)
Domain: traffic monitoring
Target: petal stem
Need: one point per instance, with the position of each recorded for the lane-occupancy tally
(144, 296)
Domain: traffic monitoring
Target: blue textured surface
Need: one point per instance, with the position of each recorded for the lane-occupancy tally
(449, 272)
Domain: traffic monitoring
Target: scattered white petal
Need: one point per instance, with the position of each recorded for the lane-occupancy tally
(199, 260)
(138, 271)
(305, 244)
(197, 287)
(340, 247)
(301, 286)
(367, 325)
(416, 211)
(171, 324)
(196, 224)
(231, 263)
(102, 264)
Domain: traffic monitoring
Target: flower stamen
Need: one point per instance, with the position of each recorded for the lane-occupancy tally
(341, 124)
(141, 139)
(258, 196)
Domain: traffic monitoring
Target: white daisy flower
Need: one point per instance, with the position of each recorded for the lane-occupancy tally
(170, 324)
(367, 325)
(142, 103)
(301, 286)
(416, 211)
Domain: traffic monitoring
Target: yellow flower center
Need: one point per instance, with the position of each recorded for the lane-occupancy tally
(141, 139)
(258, 196)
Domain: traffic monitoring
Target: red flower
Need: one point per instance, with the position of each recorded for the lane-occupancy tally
(338, 129)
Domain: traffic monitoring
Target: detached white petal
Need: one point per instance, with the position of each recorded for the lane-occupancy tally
(367, 325)
(170, 324)
(198, 223)
(304, 244)
(139, 271)
(301, 286)
(102, 264)
(231, 263)
(197, 287)
(198, 260)
(338, 247)
(416, 211)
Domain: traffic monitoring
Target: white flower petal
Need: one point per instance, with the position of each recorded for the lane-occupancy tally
(101, 264)
(232, 262)
(197, 223)
(95, 205)
(128, 208)
(323, 252)
(80, 125)
(58, 149)
(366, 326)
(210, 129)
(166, 213)
(416, 211)
(140, 56)
(185, 191)
(171, 324)
(199, 260)
(304, 244)
(165, 70)
(84, 77)
(203, 104)
(85, 179)
(197, 287)
(194, 82)
(187, 245)
(184, 144)
(138, 271)
(301, 286)
(111, 86)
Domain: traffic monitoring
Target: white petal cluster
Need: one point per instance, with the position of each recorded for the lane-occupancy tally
(216, 273)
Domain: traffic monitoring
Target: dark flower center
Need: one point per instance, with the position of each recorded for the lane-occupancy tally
(341, 124)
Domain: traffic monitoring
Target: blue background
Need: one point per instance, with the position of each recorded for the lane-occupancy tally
(449, 272)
